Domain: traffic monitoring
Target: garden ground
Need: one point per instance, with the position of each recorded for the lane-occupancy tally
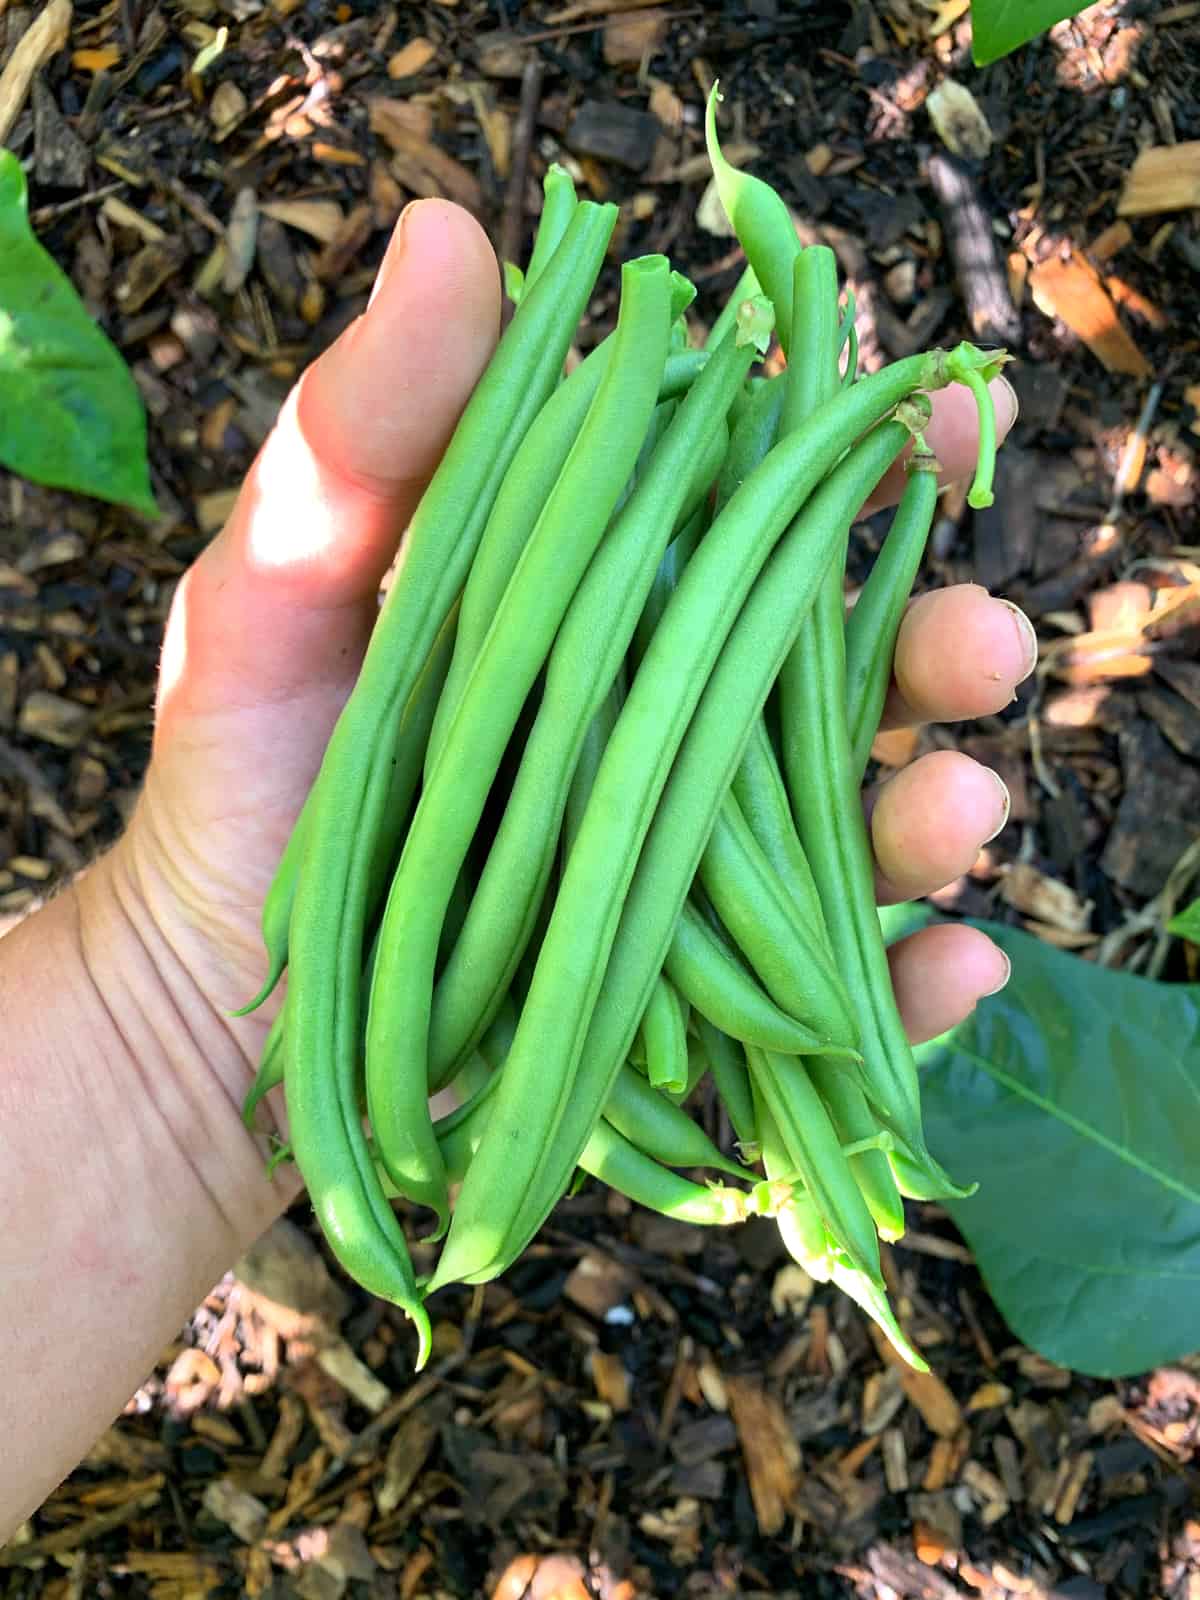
(681, 1413)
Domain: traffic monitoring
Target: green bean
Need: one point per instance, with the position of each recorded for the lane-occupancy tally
(609, 1156)
(544, 1109)
(411, 739)
(756, 431)
(660, 1129)
(716, 984)
(756, 211)
(270, 1068)
(823, 784)
(558, 207)
(793, 1207)
(352, 787)
(778, 943)
(810, 384)
(759, 791)
(816, 1154)
(874, 623)
(847, 1106)
(586, 657)
(727, 1066)
(663, 1031)
(518, 505)
(675, 557)
(568, 530)
(591, 753)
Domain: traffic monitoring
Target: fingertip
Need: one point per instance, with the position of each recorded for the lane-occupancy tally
(941, 974)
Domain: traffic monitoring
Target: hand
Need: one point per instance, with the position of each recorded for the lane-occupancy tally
(125, 1158)
(269, 626)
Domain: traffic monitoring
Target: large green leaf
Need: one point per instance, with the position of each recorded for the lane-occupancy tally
(1187, 924)
(70, 413)
(1073, 1096)
(999, 26)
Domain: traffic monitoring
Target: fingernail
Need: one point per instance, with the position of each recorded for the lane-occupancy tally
(392, 255)
(1007, 396)
(1005, 804)
(1029, 640)
(1005, 976)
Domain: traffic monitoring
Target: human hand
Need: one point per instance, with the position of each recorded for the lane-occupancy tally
(268, 628)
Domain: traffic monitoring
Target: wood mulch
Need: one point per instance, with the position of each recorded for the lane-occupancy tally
(673, 1412)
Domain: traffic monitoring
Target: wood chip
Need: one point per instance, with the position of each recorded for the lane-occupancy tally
(243, 1514)
(98, 60)
(320, 219)
(1163, 178)
(44, 38)
(598, 1285)
(632, 36)
(1110, 242)
(125, 216)
(413, 58)
(611, 1379)
(419, 164)
(337, 155)
(895, 1461)
(1072, 291)
(769, 1450)
(407, 1454)
(1069, 1496)
(1047, 899)
(54, 720)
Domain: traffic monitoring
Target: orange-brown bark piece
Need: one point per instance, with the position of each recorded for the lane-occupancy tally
(1072, 291)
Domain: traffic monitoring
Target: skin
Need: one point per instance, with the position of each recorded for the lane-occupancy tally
(123, 1075)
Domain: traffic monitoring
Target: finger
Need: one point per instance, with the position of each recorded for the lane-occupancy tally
(959, 653)
(283, 599)
(941, 973)
(929, 822)
(952, 435)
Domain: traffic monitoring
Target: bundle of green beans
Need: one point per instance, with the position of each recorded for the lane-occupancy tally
(587, 842)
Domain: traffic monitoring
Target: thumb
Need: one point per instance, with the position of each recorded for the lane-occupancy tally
(282, 601)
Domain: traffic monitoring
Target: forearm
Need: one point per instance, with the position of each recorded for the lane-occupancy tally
(127, 1183)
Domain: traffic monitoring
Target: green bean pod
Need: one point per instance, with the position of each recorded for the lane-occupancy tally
(852, 1117)
(713, 980)
(726, 1060)
(519, 501)
(756, 432)
(411, 738)
(546, 1108)
(352, 787)
(270, 1068)
(612, 1158)
(555, 557)
(660, 1129)
(586, 658)
(759, 791)
(792, 1205)
(663, 1031)
(813, 1146)
(874, 624)
(779, 944)
(559, 204)
(758, 214)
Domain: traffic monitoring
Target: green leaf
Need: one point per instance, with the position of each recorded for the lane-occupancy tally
(1073, 1096)
(999, 26)
(1187, 924)
(71, 416)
